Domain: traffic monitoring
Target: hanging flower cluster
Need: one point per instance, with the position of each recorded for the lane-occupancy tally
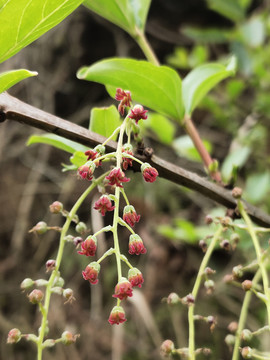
(116, 178)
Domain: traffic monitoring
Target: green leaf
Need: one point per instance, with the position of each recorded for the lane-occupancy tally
(257, 188)
(201, 80)
(207, 36)
(78, 158)
(127, 14)
(253, 32)
(157, 87)
(24, 21)
(184, 146)
(58, 142)
(236, 158)
(228, 8)
(161, 126)
(12, 77)
(104, 121)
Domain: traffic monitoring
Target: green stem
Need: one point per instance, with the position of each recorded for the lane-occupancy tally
(146, 48)
(124, 195)
(204, 263)
(243, 317)
(104, 229)
(116, 131)
(117, 201)
(55, 273)
(107, 253)
(124, 258)
(259, 256)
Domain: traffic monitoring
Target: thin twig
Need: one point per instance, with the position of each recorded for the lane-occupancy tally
(14, 109)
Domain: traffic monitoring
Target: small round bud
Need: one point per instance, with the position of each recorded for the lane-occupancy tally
(208, 219)
(173, 299)
(228, 278)
(48, 343)
(203, 245)
(57, 290)
(50, 265)
(246, 335)
(230, 340)
(247, 285)
(237, 192)
(59, 282)
(209, 271)
(232, 327)
(188, 300)
(209, 285)
(41, 282)
(211, 321)
(56, 207)
(225, 244)
(69, 238)
(27, 284)
(75, 219)
(237, 271)
(67, 338)
(14, 336)
(246, 352)
(40, 228)
(36, 296)
(81, 228)
(68, 295)
(77, 240)
(100, 149)
(167, 348)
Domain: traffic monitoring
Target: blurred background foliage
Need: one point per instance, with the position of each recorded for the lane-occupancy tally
(233, 120)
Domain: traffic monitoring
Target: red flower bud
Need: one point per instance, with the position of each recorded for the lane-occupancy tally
(123, 289)
(135, 277)
(167, 348)
(14, 336)
(126, 162)
(125, 99)
(86, 171)
(117, 315)
(103, 205)
(116, 177)
(130, 216)
(149, 173)
(138, 113)
(56, 207)
(91, 272)
(88, 246)
(50, 265)
(136, 245)
(36, 296)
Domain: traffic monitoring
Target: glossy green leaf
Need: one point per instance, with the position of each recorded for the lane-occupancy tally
(184, 146)
(157, 87)
(236, 158)
(23, 21)
(58, 142)
(201, 80)
(78, 158)
(12, 77)
(207, 36)
(228, 8)
(257, 187)
(161, 126)
(127, 14)
(104, 121)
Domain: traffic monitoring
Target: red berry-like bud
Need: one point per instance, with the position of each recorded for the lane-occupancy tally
(88, 246)
(138, 113)
(67, 338)
(91, 272)
(56, 207)
(117, 315)
(125, 99)
(116, 177)
(50, 265)
(86, 171)
(36, 296)
(103, 205)
(136, 245)
(167, 348)
(77, 240)
(149, 173)
(130, 216)
(247, 285)
(40, 228)
(123, 289)
(135, 277)
(14, 336)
